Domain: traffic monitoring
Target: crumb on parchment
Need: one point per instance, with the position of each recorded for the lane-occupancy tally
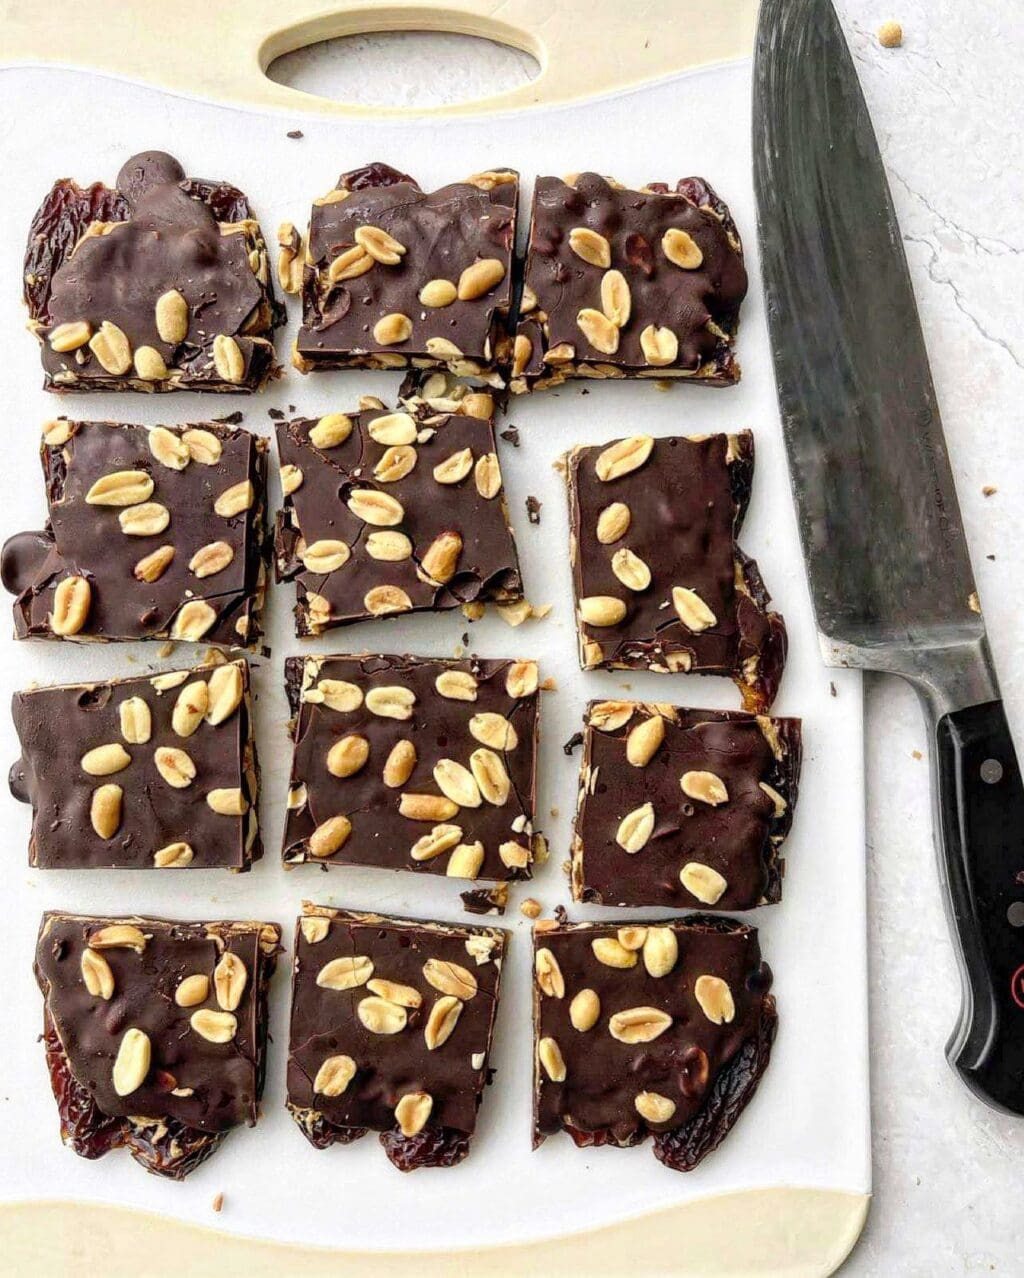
(890, 35)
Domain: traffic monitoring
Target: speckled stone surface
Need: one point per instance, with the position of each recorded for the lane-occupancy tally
(946, 107)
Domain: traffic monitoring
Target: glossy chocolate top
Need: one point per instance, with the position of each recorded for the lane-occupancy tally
(198, 1063)
(429, 237)
(135, 725)
(707, 848)
(677, 505)
(99, 257)
(420, 525)
(158, 558)
(691, 290)
(448, 748)
(346, 967)
(671, 1016)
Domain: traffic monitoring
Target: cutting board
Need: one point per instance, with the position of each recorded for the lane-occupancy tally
(788, 1191)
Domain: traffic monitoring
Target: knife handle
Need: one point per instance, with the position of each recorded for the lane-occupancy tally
(981, 812)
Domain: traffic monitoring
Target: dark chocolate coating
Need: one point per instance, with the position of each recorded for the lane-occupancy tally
(57, 726)
(325, 1022)
(86, 540)
(686, 502)
(443, 232)
(488, 564)
(739, 839)
(700, 306)
(163, 231)
(438, 728)
(708, 1071)
(222, 1081)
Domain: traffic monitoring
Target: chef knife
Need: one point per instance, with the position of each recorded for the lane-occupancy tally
(887, 560)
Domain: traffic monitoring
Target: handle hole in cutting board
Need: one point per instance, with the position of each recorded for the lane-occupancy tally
(409, 69)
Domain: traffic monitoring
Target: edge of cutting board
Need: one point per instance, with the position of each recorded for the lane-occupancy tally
(783, 1232)
(221, 51)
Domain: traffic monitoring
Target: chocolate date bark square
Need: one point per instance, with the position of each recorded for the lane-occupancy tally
(391, 1029)
(159, 283)
(155, 1033)
(152, 534)
(412, 763)
(624, 283)
(660, 582)
(157, 772)
(660, 1029)
(683, 808)
(396, 277)
(392, 512)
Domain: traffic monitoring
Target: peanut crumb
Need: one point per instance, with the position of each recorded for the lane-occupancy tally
(550, 684)
(218, 1202)
(916, 754)
(554, 814)
(989, 490)
(531, 908)
(973, 602)
(890, 35)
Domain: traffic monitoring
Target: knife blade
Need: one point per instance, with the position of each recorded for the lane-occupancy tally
(887, 559)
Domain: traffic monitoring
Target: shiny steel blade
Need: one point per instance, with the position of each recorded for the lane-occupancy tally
(882, 535)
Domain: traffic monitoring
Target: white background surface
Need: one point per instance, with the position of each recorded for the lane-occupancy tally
(808, 1123)
(947, 108)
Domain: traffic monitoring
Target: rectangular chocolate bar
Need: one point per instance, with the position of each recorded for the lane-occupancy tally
(159, 283)
(397, 277)
(391, 1028)
(659, 1029)
(683, 808)
(152, 534)
(660, 582)
(158, 771)
(155, 1033)
(624, 283)
(412, 763)
(391, 512)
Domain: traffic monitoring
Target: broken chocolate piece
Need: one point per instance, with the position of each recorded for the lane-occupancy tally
(623, 283)
(414, 764)
(155, 1032)
(158, 771)
(391, 1029)
(660, 582)
(152, 534)
(158, 284)
(659, 1028)
(683, 808)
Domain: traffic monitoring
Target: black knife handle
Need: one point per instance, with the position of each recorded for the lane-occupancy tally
(981, 813)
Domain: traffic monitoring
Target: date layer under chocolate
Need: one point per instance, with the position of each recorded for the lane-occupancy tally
(392, 512)
(159, 283)
(155, 1032)
(660, 582)
(397, 277)
(683, 808)
(624, 283)
(152, 534)
(412, 763)
(658, 1029)
(391, 1029)
(152, 772)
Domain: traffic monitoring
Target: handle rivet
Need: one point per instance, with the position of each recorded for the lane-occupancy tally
(991, 771)
(1015, 914)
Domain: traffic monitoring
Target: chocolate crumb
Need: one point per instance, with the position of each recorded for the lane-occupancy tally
(992, 557)
(561, 914)
(275, 414)
(511, 435)
(295, 133)
(575, 740)
(832, 689)
(533, 509)
(230, 419)
(492, 900)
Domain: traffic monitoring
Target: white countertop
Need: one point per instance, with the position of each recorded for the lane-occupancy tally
(947, 111)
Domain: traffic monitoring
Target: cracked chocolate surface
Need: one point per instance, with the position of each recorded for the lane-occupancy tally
(59, 726)
(698, 1072)
(101, 256)
(439, 235)
(192, 1090)
(694, 307)
(684, 853)
(215, 602)
(437, 537)
(391, 824)
(679, 507)
(346, 966)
